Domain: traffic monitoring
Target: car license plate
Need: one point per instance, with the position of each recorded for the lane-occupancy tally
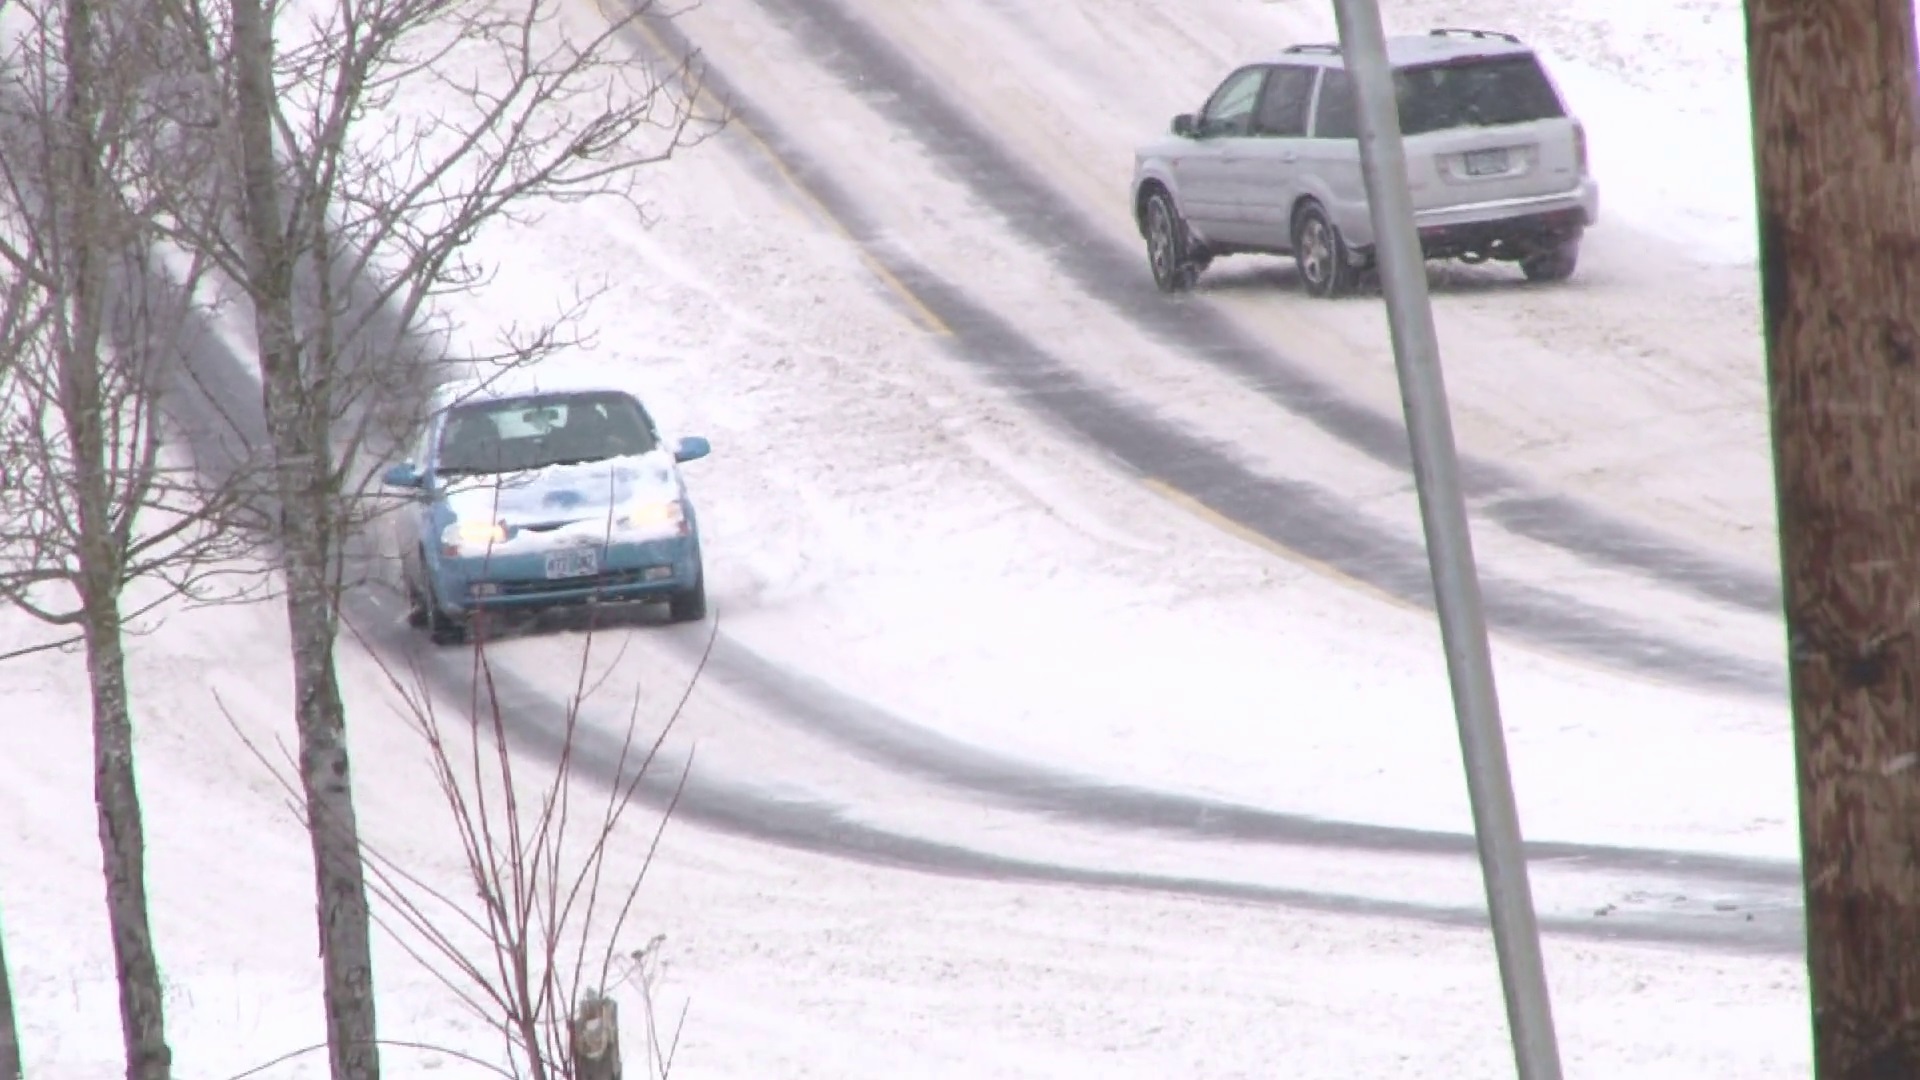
(1486, 162)
(573, 563)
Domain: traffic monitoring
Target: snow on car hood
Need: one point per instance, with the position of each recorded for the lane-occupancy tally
(587, 492)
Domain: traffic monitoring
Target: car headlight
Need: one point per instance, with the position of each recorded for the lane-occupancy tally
(653, 515)
(462, 533)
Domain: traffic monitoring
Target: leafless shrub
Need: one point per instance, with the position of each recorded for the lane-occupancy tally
(541, 939)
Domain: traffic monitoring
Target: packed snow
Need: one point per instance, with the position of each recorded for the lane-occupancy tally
(883, 522)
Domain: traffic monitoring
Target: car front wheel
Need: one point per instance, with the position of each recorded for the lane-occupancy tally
(426, 613)
(689, 605)
(417, 603)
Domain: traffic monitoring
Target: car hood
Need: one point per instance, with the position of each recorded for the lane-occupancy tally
(588, 491)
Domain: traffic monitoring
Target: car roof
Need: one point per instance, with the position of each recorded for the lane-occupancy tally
(524, 383)
(1408, 50)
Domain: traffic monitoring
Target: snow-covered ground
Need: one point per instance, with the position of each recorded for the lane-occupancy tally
(1057, 586)
(791, 965)
(881, 519)
(1649, 339)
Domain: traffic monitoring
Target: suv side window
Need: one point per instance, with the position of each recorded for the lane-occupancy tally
(1283, 107)
(1229, 111)
(1335, 118)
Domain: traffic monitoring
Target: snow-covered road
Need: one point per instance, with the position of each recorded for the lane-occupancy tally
(1098, 614)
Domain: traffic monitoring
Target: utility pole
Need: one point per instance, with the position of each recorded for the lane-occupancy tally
(1833, 89)
(10, 1067)
(1443, 514)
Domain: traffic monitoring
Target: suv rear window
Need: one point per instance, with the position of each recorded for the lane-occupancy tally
(1479, 92)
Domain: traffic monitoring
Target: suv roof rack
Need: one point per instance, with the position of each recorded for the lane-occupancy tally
(1461, 31)
(1314, 47)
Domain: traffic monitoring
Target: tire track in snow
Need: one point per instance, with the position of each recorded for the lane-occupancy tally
(1764, 929)
(220, 398)
(880, 73)
(1307, 520)
(901, 745)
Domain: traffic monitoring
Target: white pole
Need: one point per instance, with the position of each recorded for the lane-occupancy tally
(1443, 512)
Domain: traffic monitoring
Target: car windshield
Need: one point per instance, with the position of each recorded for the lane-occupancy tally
(512, 434)
(1477, 92)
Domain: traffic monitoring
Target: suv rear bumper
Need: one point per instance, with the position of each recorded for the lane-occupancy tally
(1508, 238)
(1507, 228)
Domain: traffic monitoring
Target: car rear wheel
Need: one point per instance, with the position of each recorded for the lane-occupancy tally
(691, 604)
(1555, 265)
(1321, 254)
(1169, 249)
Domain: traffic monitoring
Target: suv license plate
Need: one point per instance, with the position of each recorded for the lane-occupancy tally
(1486, 162)
(578, 562)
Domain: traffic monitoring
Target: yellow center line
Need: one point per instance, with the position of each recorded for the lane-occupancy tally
(933, 323)
(937, 325)
(1261, 540)
(928, 319)
(1267, 543)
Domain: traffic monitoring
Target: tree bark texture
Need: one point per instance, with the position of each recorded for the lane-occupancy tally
(298, 418)
(123, 850)
(10, 1065)
(87, 246)
(1833, 91)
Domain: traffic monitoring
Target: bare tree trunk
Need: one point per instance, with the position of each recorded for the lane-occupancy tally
(123, 852)
(1833, 90)
(297, 421)
(10, 1065)
(116, 793)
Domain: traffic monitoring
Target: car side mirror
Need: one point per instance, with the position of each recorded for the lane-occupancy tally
(691, 448)
(403, 475)
(1185, 126)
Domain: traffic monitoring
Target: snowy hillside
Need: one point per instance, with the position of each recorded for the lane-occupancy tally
(1074, 711)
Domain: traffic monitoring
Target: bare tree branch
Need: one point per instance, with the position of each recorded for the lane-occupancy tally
(515, 955)
(332, 171)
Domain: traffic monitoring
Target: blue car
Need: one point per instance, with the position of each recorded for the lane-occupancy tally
(530, 500)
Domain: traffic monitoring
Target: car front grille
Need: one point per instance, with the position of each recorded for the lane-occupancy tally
(610, 579)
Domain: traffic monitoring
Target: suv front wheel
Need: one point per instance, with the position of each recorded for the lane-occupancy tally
(1169, 249)
(1321, 254)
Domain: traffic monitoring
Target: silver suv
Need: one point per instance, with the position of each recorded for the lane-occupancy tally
(1271, 165)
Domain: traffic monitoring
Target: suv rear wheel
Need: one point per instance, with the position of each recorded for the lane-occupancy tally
(1321, 254)
(1554, 265)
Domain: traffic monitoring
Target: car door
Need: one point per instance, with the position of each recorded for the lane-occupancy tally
(1270, 173)
(1330, 158)
(1209, 171)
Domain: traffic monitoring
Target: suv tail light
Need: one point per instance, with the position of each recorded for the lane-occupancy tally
(1580, 146)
